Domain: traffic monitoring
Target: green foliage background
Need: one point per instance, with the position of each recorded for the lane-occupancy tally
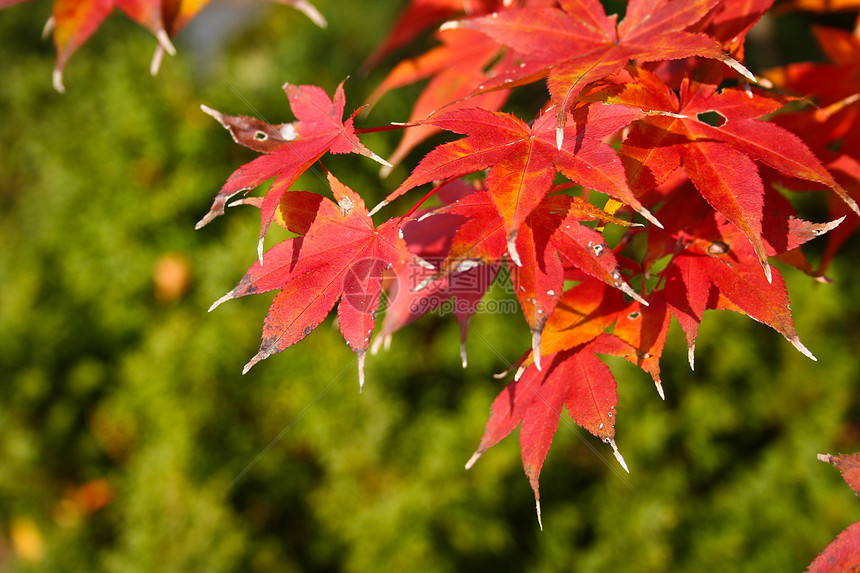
(289, 468)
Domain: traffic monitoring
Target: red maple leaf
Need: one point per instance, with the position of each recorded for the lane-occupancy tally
(579, 44)
(457, 68)
(340, 255)
(421, 15)
(418, 290)
(848, 465)
(466, 241)
(718, 159)
(572, 375)
(480, 236)
(575, 379)
(289, 149)
(715, 269)
(730, 20)
(582, 314)
(830, 128)
(553, 240)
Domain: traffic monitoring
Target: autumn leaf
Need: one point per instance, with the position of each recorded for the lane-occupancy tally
(719, 159)
(480, 236)
(582, 314)
(831, 127)
(730, 20)
(575, 379)
(840, 46)
(710, 267)
(579, 44)
(289, 149)
(552, 240)
(537, 281)
(457, 293)
(456, 69)
(421, 15)
(473, 244)
(848, 465)
(846, 169)
(341, 256)
(719, 258)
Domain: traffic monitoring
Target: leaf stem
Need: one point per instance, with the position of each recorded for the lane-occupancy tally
(389, 127)
(425, 197)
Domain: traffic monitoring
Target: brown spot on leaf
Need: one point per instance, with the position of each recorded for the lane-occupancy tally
(718, 248)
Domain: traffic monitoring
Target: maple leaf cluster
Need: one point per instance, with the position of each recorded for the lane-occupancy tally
(654, 111)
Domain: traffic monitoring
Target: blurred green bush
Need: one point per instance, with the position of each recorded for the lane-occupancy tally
(130, 441)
